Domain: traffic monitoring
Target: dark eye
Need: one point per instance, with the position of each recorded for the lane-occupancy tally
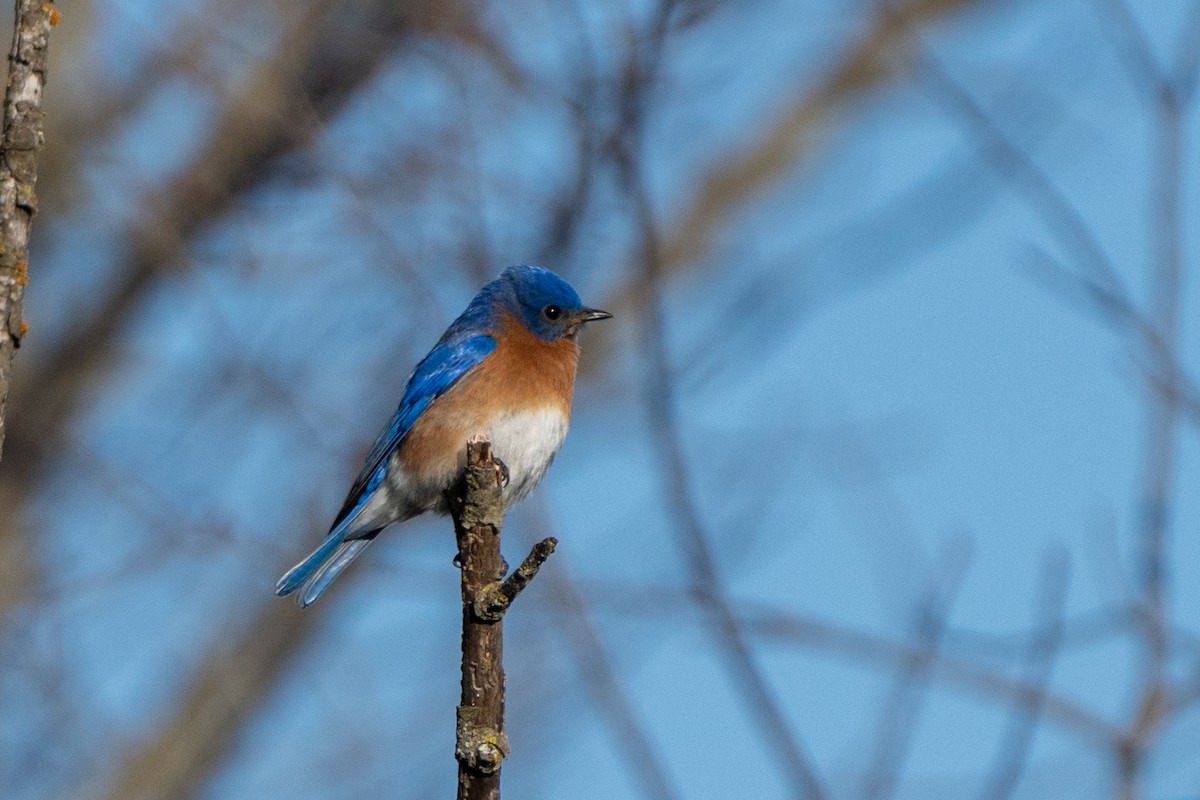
(552, 312)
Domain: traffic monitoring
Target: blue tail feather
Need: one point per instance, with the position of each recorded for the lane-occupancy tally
(297, 575)
(322, 565)
(329, 569)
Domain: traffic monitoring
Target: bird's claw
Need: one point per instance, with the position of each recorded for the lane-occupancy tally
(502, 475)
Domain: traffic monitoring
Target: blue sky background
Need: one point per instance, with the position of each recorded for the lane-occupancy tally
(897, 421)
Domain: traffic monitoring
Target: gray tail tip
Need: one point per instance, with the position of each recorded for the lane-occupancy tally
(286, 585)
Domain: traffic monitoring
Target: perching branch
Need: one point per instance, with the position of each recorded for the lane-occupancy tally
(22, 139)
(478, 511)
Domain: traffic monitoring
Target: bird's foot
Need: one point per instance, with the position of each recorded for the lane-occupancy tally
(502, 474)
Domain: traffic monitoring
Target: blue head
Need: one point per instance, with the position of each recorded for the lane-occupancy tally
(546, 303)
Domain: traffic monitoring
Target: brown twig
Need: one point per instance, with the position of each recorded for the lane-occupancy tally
(478, 512)
(22, 139)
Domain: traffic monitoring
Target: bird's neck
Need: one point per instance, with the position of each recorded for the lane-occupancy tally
(542, 371)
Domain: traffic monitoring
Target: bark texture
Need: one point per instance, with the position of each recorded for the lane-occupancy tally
(478, 510)
(22, 139)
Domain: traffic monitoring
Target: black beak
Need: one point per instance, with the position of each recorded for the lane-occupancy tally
(593, 314)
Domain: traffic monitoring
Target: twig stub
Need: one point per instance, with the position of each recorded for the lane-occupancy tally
(496, 597)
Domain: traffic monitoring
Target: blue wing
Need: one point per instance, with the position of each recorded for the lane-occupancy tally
(453, 357)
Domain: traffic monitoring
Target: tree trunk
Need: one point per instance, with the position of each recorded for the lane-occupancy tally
(22, 139)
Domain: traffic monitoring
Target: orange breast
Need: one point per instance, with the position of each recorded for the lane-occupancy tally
(523, 373)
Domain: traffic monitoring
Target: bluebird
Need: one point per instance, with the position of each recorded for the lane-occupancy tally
(505, 370)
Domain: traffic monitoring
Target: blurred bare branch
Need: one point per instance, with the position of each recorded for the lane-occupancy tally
(1039, 669)
(706, 585)
(1041, 192)
(1170, 97)
(740, 178)
(278, 109)
(955, 672)
(600, 677)
(230, 685)
(897, 722)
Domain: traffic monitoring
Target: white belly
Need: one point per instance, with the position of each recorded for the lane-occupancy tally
(527, 442)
